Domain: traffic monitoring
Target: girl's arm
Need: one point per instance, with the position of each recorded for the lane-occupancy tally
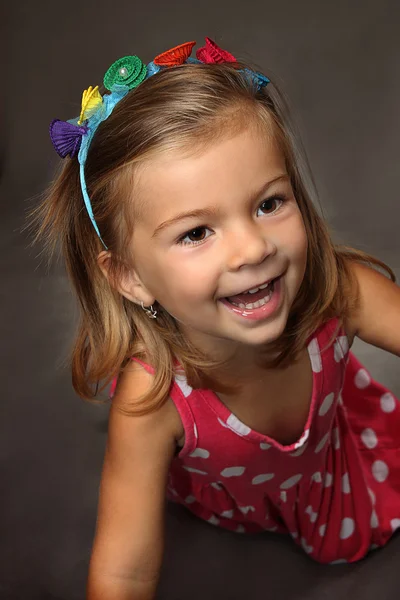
(377, 321)
(128, 546)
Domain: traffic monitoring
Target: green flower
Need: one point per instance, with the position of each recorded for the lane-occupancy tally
(128, 71)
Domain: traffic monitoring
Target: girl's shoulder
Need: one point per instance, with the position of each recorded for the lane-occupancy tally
(135, 381)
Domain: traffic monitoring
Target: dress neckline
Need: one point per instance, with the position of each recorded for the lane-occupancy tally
(229, 420)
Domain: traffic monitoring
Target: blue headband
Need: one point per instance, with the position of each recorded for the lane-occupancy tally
(74, 136)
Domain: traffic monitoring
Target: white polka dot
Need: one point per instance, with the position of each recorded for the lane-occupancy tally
(369, 439)
(374, 520)
(228, 514)
(233, 471)
(326, 404)
(262, 477)
(172, 491)
(190, 499)
(264, 446)
(291, 481)
(374, 547)
(213, 520)
(240, 529)
(340, 399)
(294, 534)
(322, 443)
(328, 479)
(237, 426)
(362, 379)
(246, 509)
(200, 452)
(341, 347)
(346, 484)
(317, 477)
(380, 470)
(322, 530)
(347, 528)
(339, 561)
(315, 356)
(303, 439)
(395, 524)
(272, 529)
(306, 547)
(336, 438)
(216, 485)
(372, 496)
(313, 515)
(182, 383)
(195, 431)
(299, 451)
(283, 496)
(192, 470)
(388, 403)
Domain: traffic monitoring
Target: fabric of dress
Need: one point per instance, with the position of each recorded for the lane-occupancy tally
(336, 490)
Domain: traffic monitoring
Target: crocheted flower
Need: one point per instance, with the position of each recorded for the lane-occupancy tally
(258, 78)
(262, 80)
(211, 53)
(175, 56)
(128, 71)
(66, 137)
(91, 101)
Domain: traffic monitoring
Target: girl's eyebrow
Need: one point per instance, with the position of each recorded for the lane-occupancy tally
(212, 211)
(200, 213)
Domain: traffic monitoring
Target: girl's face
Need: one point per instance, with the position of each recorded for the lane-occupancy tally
(215, 225)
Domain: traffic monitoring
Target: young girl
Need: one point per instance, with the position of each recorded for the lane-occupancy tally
(210, 290)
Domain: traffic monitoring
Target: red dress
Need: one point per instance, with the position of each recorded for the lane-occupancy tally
(336, 490)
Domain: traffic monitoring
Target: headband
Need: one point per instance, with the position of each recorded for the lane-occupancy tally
(73, 137)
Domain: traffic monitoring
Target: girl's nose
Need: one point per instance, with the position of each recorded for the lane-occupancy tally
(249, 246)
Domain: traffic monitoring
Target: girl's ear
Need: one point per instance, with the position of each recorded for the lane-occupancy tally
(127, 283)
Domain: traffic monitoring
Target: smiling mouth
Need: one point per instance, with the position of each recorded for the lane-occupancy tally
(254, 297)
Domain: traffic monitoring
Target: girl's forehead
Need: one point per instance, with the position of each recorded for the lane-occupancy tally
(231, 165)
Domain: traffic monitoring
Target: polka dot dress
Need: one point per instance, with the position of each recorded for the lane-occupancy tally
(336, 491)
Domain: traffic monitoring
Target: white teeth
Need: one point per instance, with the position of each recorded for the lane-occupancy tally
(257, 304)
(262, 287)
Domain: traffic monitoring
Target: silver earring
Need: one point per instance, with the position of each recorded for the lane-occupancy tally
(150, 312)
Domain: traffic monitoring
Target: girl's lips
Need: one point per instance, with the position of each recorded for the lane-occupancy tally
(263, 312)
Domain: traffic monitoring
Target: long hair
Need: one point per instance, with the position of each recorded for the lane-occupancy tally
(186, 107)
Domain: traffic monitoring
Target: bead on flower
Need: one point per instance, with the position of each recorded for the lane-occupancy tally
(175, 56)
(66, 137)
(128, 71)
(91, 101)
(212, 53)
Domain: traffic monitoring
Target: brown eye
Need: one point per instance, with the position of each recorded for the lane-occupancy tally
(194, 236)
(269, 206)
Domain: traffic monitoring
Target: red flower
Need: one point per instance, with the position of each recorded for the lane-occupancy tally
(211, 53)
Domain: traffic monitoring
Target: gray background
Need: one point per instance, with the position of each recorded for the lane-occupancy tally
(338, 63)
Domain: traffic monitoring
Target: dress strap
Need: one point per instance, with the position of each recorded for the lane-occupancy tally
(180, 393)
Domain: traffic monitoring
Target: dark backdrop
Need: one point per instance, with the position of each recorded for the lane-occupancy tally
(338, 63)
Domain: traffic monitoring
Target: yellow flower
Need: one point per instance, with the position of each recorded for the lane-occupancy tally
(91, 101)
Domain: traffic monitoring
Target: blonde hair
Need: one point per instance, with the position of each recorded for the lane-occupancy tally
(179, 108)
